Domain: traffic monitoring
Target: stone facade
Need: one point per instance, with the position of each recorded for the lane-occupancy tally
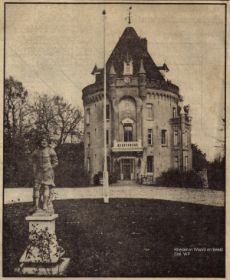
(148, 129)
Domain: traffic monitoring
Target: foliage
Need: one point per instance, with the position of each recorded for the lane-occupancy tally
(25, 121)
(16, 122)
(70, 170)
(221, 137)
(15, 109)
(56, 118)
(216, 174)
(199, 160)
(177, 178)
(113, 177)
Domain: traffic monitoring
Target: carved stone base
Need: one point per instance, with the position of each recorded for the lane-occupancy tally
(57, 269)
(43, 255)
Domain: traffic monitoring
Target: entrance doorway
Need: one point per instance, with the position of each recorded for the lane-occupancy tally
(127, 169)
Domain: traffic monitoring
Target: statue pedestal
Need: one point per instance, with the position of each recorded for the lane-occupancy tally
(43, 255)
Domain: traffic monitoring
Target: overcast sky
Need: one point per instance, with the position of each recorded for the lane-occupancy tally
(53, 48)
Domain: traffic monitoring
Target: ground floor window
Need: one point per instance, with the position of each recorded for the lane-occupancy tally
(88, 164)
(149, 164)
(186, 163)
(176, 162)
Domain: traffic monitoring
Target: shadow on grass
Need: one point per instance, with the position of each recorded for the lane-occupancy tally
(127, 237)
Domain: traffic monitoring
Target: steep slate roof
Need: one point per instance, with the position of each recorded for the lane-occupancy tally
(132, 46)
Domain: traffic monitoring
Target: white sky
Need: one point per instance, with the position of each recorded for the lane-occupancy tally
(53, 48)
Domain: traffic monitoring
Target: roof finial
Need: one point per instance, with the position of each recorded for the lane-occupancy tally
(130, 8)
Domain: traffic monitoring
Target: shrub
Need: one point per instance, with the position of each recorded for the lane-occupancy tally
(70, 170)
(177, 178)
(216, 174)
(99, 176)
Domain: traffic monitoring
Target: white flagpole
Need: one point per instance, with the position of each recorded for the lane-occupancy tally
(105, 173)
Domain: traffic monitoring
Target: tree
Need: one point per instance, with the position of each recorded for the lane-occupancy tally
(221, 140)
(199, 160)
(55, 117)
(16, 123)
(68, 118)
(15, 109)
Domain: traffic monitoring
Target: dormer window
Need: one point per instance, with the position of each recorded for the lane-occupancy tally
(128, 67)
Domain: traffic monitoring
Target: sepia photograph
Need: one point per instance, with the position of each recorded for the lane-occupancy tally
(114, 139)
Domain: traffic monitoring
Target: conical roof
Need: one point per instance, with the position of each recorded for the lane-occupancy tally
(132, 46)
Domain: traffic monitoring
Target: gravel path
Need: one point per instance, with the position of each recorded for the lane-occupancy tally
(189, 195)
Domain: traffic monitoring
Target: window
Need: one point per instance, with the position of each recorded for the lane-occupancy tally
(128, 132)
(149, 164)
(108, 163)
(163, 137)
(175, 138)
(150, 136)
(88, 140)
(176, 162)
(87, 116)
(149, 108)
(186, 163)
(88, 164)
(174, 112)
(128, 68)
(107, 112)
(185, 137)
(107, 137)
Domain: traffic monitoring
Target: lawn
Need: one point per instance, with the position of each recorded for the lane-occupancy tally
(127, 237)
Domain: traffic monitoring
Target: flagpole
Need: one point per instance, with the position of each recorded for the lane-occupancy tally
(105, 173)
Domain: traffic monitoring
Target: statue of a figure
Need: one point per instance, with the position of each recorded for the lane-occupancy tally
(44, 161)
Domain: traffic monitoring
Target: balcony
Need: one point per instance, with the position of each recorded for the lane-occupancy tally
(123, 146)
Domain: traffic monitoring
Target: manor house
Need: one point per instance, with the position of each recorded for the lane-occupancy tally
(148, 128)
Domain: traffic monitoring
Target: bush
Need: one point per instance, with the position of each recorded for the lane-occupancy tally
(216, 174)
(177, 178)
(70, 170)
(99, 176)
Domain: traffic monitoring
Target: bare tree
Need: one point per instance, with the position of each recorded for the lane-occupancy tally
(68, 118)
(55, 116)
(15, 108)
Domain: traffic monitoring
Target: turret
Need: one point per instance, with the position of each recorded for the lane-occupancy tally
(142, 79)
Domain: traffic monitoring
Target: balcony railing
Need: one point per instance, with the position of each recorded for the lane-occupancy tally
(123, 146)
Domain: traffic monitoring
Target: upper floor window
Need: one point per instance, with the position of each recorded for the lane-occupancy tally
(185, 138)
(163, 137)
(174, 112)
(149, 108)
(128, 132)
(150, 136)
(175, 138)
(108, 163)
(107, 112)
(88, 116)
(128, 68)
(149, 164)
(107, 137)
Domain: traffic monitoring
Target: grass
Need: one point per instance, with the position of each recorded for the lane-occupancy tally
(127, 237)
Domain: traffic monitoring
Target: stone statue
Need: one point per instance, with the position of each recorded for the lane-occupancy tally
(44, 161)
(186, 109)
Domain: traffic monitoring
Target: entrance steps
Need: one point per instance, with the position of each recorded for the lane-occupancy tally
(125, 183)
